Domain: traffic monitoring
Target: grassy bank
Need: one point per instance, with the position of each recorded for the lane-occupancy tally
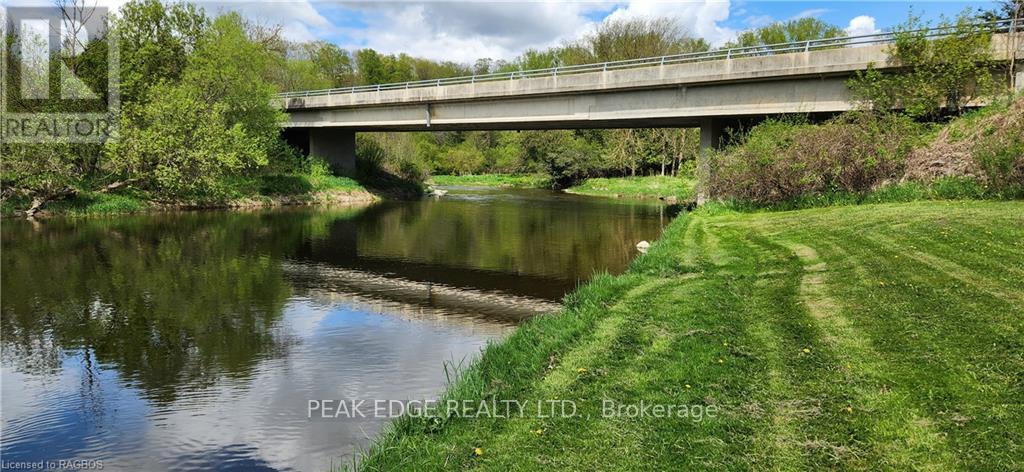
(493, 180)
(615, 187)
(865, 337)
(654, 186)
(250, 192)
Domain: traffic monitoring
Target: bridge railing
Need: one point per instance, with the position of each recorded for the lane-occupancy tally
(1001, 26)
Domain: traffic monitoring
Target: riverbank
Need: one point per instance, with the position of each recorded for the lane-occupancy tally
(648, 187)
(265, 192)
(492, 180)
(880, 335)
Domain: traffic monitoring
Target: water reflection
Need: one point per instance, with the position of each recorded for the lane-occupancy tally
(193, 341)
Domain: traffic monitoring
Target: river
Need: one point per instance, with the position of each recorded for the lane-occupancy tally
(195, 341)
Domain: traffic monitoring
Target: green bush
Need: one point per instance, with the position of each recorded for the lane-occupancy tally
(780, 160)
(284, 184)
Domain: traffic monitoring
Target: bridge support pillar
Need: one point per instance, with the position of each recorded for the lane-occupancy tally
(711, 136)
(336, 146)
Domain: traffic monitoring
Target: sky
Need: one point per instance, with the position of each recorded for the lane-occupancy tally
(464, 31)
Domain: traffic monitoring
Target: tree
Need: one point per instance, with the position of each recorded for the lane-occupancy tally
(217, 121)
(1006, 9)
(155, 42)
(948, 72)
(637, 38)
(333, 62)
(803, 29)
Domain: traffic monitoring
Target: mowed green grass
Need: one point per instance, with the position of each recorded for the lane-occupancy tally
(655, 186)
(886, 336)
(493, 180)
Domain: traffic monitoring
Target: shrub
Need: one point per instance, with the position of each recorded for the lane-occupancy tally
(780, 160)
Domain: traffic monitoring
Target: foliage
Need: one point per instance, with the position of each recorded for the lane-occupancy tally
(636, 38)
(801, 29)
(185, 138)
(156, 40)
(780, 160)
(181, 145)
(946, 72)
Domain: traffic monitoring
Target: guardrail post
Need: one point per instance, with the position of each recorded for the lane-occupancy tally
(605, 68)
(438, 82)
(378, 87)
(728, 54)
(807, 46)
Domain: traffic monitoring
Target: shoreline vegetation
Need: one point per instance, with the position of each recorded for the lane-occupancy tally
(265, 192)
(662, 187)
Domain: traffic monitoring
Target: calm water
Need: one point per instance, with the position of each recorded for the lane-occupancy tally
(194, 341)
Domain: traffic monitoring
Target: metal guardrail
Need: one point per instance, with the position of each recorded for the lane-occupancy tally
(1000, 26)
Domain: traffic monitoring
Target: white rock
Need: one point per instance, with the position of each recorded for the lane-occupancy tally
(643, 246)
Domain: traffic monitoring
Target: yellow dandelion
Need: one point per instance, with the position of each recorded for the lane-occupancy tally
(478, 452)
(807, 350)
(538, 432)
(688, 386)
(581, 370)
(720, 361)
(849, 409)
(725, 344)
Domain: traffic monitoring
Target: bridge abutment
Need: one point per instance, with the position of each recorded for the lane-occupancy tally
(336, 146)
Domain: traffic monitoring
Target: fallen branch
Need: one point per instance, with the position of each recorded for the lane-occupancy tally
(39, 201)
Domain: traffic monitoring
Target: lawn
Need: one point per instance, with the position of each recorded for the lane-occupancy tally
(654, 186)
(886, 336)
(493, 180)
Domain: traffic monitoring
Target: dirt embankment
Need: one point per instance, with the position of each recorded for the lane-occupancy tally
(988, 146)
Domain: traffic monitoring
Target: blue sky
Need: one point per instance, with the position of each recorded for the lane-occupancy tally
(466, 30)
(502, 29)
(886, 14)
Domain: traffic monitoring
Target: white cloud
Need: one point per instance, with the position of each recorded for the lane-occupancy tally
(299, 19)
(465, 31)
(862, 25)
(698, 18)
(758, 21)
(811, 13)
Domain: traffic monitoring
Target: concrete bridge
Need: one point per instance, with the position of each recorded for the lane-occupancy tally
(706, 90)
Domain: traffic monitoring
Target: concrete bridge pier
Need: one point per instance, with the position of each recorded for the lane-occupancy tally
(711, 138)
(336, 146)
